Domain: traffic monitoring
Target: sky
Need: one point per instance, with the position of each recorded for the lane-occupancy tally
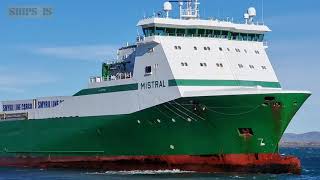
(55, 55)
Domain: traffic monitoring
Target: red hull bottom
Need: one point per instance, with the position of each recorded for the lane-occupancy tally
(242, 163)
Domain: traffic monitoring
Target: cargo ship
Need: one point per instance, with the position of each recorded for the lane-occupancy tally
(191, 94)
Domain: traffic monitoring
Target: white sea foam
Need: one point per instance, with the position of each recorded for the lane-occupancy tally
(142, 172)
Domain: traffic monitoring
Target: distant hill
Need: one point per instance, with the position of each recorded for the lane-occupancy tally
(305, 137)
(309, 139)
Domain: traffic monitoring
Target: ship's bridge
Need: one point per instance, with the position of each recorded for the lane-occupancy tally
(202, 28)
(189, 24)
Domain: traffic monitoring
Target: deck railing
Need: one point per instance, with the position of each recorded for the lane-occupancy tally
(118, 76)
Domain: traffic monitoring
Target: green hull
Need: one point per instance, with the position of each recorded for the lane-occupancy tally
(187, 126)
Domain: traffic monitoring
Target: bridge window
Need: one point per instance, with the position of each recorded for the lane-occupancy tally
(160, 31)
(260, 37)
(181, 32)
(171, 31)
(209, 32)
(216, 33)
(225, 34)
(148, 70)
(202, 33)
(149, 31)
(252, 37)
(244, 37)
(191, 32)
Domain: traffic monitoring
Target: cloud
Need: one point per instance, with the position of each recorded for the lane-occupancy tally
(84, 52)
(17, 83)
(11, 90)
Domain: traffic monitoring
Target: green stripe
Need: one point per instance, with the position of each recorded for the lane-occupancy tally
(119, 88)
(180, 82)
(193, 82)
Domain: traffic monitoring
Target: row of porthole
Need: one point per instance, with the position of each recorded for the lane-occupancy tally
(221, 65)
(239, 51)
(207, 48)
(202, 64)
(251, 66)
(159, 121)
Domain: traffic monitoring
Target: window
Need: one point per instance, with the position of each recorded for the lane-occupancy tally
(257, 52)
(245, 51)
(228, 49)
(170, 32)
(203, 64)
(181, 32)
(240, 66)
(237, 50)
(149, 31)
(208, 48)
(184, 64)
(260, 37)
(148, 70)
(177, 47)
(160, 31)
(216, 33)
(205, 48)
(251, 66)
(220, 48)
(264, 67)
(219, 65)
(195, 48)
(224, 34)
(194, 32)
(191, 32)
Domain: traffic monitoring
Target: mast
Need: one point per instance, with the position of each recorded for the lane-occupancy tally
(190, 10)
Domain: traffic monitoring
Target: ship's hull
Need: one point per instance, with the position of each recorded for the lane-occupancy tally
(211, 126)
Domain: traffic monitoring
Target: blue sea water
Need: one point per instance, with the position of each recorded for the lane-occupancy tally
(310, 158)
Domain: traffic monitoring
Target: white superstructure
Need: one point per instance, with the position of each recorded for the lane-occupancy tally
(182, 57)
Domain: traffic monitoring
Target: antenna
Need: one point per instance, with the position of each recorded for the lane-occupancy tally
(246, 17)
(167, 7)
(189, 9)
(252, 13)
(262, 1)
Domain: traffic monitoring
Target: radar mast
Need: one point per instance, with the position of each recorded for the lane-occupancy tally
(189, 9)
